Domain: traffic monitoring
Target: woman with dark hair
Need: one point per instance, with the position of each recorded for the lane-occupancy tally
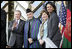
(53, 5)
(53, 21)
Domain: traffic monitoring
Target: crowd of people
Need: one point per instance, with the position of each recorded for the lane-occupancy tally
(31, 33)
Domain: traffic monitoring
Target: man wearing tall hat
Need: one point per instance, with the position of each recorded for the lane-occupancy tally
(31, 31)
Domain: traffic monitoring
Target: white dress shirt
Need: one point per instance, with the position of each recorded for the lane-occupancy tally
(18, 21)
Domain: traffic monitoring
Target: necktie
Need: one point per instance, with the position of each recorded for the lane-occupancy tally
(17, 24)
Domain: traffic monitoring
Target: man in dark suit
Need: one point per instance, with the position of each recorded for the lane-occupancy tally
(3, 29)
(16, 28)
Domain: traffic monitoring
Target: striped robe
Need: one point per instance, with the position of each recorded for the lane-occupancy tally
(34, 28)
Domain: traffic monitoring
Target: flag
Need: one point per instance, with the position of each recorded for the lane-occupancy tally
(62, 16)
(62, 20)
(65, 26)
(67, 32)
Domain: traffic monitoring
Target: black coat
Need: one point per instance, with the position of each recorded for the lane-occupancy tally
(53, 29)
(3, 29)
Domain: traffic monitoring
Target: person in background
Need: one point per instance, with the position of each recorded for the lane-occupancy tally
(3, 41)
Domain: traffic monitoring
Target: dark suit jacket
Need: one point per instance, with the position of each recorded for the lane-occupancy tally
(53, 30)
(17, 34)
(20, 27)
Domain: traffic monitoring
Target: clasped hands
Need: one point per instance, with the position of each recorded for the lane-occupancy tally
(30, 40)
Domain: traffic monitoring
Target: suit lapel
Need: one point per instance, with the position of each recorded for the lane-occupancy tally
(13, 22)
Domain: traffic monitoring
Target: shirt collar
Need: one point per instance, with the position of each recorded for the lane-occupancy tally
(46, 21)
(18, 21)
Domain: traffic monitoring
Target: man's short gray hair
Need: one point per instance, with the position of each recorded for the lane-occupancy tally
(18, 11)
